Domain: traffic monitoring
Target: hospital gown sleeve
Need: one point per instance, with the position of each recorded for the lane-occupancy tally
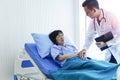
(54, 52)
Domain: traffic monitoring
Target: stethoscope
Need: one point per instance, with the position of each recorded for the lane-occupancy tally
(103, 18)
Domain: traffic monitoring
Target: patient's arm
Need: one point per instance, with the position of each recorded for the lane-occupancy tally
(66, 56)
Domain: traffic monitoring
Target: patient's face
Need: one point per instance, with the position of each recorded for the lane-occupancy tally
(60, 39)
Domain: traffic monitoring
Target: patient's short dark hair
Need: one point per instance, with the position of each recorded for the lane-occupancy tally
(91, 4)
(53, 36)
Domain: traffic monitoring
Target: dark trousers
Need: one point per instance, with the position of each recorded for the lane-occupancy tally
(112, 60)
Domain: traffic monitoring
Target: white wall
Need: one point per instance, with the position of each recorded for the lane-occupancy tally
(19, 18)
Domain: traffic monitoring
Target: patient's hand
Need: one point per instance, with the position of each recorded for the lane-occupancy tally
(82, 54)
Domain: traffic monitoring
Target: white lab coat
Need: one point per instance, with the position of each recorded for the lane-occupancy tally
(110, 23)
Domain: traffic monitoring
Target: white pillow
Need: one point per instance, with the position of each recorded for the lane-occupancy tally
(43, 44)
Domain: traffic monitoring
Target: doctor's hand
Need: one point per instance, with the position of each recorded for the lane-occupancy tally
(101, 44)
(82, 54)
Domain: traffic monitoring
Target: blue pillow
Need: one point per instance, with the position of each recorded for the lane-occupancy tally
(43, 44)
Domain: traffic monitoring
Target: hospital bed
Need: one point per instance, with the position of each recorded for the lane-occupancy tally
(30, 66)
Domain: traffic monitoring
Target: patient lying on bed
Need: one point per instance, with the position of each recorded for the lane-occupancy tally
(75, 68)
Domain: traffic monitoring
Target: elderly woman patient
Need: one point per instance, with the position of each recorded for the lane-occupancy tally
(74, 67)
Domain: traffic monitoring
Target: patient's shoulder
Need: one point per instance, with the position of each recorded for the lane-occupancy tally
(55, 47)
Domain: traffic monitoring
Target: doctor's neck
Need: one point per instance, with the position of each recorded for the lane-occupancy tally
(98, 12)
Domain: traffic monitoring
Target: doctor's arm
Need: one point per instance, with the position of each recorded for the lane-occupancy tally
(88, 39)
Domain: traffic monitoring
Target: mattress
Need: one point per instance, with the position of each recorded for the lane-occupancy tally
(44, 64)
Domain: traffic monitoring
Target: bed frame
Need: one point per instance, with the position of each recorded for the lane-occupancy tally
(29, 71)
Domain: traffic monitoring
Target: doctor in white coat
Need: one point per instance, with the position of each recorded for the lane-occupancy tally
(102, 22)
